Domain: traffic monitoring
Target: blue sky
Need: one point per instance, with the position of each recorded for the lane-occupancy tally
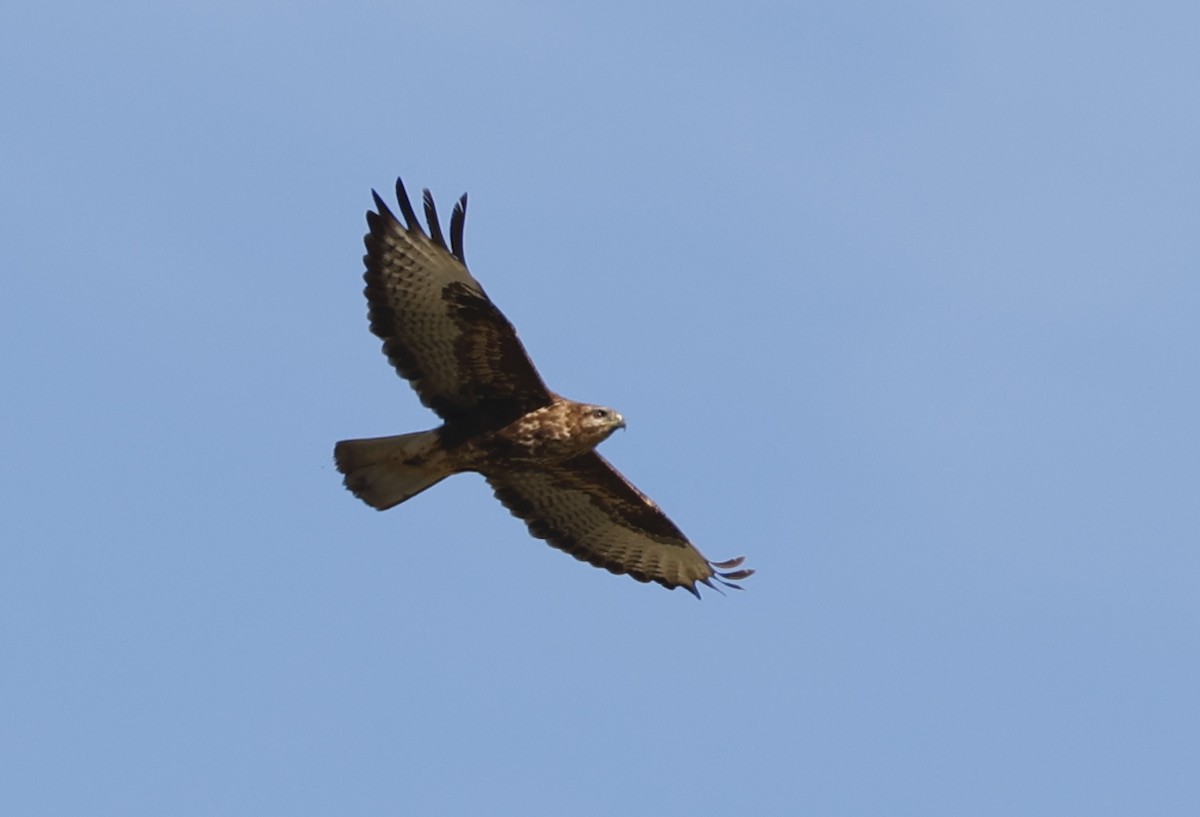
(899, 300)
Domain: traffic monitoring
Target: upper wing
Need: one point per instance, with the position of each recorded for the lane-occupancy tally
(586, 508)
(438, 327)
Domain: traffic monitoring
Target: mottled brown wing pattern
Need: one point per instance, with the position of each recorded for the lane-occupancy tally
(439, 328)
(586, 508)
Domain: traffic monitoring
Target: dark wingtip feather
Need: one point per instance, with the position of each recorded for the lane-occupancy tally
(458, 220)
(381, 209)
(737, 575)
(435, 227)
(719, 578)
(727, 577)
(410, 215)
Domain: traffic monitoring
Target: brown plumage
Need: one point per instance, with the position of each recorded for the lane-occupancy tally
(444, 335)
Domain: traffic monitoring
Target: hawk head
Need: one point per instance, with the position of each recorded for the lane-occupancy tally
(560, 431)
(596, 423)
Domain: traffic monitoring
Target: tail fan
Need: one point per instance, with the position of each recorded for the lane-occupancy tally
(385, 471)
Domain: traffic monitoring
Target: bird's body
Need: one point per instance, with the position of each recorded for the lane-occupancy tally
(534, 447)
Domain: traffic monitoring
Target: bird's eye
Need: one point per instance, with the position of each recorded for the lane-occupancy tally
(600, 414)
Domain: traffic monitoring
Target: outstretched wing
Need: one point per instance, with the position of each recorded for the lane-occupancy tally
(586, 508)
(439, 328)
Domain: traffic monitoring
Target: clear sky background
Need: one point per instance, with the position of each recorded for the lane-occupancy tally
(901, 301)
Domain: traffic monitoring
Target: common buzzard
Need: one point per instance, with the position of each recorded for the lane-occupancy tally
(536, 449)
